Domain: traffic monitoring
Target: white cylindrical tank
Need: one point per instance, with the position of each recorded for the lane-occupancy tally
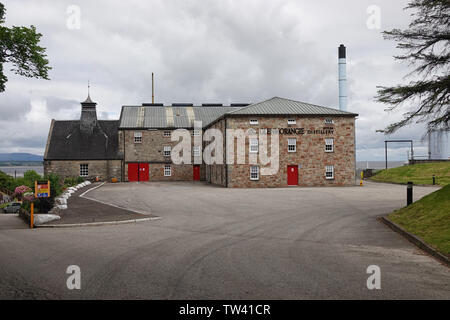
(439, 144)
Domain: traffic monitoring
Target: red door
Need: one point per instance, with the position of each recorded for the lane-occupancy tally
(138, 172)
(292, 175)
(196, 173)
(133, 172)
(143, 171)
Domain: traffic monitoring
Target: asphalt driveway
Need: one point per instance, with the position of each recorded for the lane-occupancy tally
(217, 243)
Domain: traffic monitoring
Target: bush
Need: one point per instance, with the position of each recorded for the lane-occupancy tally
(55, 185)
(7, 182)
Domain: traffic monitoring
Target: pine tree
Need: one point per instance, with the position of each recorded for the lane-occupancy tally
(426, 44)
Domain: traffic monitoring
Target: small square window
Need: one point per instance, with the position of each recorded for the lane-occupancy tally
(84, 170)
(254, 173)
(137, 137)
(292, 145)
(253, 145)
(329, 121)
(167, 134)
(329, 145)
(167, 150)
(292, 121)
(253, 121)
(196, 151)
(167, 171)
(329, 172)
(196, 132)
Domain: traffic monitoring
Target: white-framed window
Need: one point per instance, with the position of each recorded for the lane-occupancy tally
(84, 170)
(263, 131)
(254, 145)
(196, 132)
(137, 137)
(167, 170)
(329, 121)
(167, 134)
(254, 173)
(167, 150)
(329, 172)
(292, 145)
(196, 150)
(253, 121)
(329, 145)
(292, 121)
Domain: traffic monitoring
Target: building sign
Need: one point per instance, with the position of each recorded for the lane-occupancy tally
(302, 131)
(42, 189)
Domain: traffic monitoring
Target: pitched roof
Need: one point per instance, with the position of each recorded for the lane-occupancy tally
(170, 116)
(67, 141)
(176, 116)
(281, 106)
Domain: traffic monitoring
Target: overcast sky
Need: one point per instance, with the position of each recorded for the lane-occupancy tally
(205, 51)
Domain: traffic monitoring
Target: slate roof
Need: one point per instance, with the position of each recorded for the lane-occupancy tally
(281, 106)
(67, 142)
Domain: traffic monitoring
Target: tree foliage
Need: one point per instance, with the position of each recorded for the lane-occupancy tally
(19, 46)
(426, 44)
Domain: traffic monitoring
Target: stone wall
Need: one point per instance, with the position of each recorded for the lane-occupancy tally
(151, 151)
(310, 157)
(104, 169)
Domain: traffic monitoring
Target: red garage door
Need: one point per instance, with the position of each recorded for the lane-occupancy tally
(196, 174)
(138, 172)
(292, 175)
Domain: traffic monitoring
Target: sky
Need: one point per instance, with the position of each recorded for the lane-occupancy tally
(207, 51)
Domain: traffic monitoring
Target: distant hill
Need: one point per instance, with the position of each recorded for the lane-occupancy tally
(9, 157)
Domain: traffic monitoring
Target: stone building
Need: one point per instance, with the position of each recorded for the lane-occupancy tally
(87, 147)
(316, 144)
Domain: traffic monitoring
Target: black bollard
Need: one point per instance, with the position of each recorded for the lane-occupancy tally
(409, 193)
(434, 180)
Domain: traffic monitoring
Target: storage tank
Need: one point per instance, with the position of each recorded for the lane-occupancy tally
(439, 144)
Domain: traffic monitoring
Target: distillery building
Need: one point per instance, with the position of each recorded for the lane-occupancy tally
(87, 147)
(315, 145)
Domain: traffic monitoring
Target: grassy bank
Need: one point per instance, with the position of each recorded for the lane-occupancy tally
(429, 219)
(417, 173)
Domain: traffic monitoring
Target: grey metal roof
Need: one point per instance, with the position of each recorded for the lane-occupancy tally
(161, 117)
(281, 106)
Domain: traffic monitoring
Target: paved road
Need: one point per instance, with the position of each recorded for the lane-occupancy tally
(291, 243)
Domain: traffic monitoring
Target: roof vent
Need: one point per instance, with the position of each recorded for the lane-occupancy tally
(152, 105)
(212, 104)
(239, 104)
(182, 104)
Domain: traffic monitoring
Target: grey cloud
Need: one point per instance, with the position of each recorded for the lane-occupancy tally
(219, 51)
(13, 106)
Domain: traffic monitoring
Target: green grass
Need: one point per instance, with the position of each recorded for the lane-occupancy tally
(429, 219)
(417, 173)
